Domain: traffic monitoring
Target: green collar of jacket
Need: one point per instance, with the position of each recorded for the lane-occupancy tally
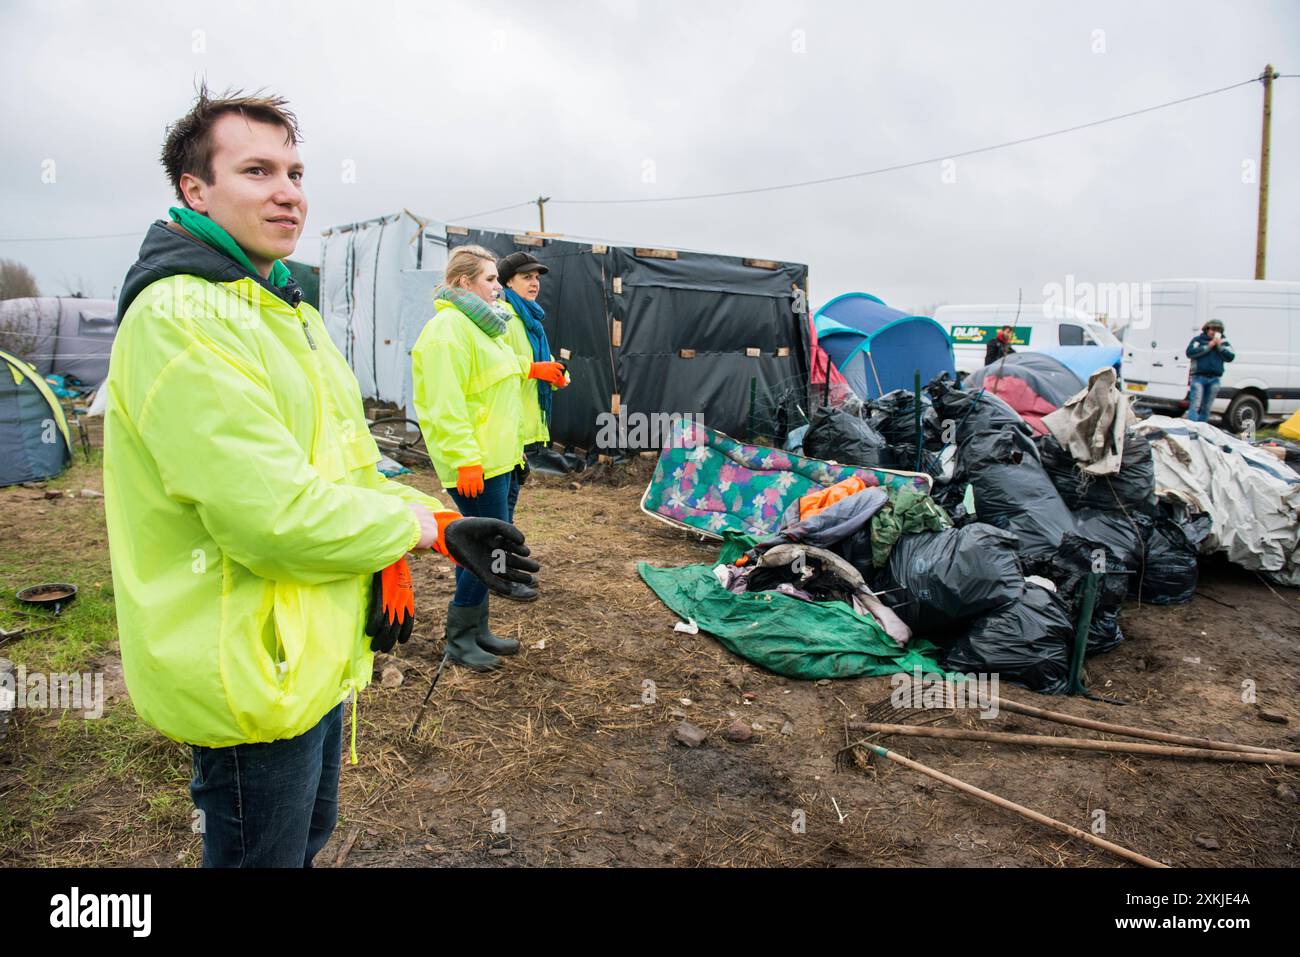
(216, 236)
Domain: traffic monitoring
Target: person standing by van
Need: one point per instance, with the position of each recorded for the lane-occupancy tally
(1208, 350)
(999, 346)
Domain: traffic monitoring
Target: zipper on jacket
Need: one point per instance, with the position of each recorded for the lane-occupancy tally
(307, 332)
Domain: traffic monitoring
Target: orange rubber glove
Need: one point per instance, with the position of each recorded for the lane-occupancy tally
(469, 481)
(552, 372)
(444, 519)
(392, 607)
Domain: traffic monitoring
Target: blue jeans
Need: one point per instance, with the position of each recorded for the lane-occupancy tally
(1200, 397)
(513, 497)
(269, 805)
(492, 502)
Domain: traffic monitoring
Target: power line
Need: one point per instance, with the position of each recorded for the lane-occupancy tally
(59, 239)
(910, 165)
(488, 212)
(780, 186)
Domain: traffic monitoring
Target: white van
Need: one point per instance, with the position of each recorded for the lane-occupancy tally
(1037, 326)
(1261, 319)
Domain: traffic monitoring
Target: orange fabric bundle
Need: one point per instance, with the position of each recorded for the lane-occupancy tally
(815, 502)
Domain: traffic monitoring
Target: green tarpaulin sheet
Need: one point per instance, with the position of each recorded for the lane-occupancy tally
(798, 639)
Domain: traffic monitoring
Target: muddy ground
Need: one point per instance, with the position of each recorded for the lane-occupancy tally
(557, 759)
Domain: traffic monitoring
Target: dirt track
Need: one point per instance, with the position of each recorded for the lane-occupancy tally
(585, 773)
(559, 750)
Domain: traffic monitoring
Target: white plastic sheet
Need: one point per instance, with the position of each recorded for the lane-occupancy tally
(1252, 498)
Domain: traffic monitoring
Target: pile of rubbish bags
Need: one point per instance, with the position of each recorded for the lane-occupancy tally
(993, 572)
(979, 562)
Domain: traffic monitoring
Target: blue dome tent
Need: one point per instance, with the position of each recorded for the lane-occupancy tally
(879, 349)
(34, 439)
(1083, 361)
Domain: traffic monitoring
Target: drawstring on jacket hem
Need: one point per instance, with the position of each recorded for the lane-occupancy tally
(353, 745)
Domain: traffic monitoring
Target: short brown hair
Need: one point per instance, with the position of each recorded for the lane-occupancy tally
(189, 147)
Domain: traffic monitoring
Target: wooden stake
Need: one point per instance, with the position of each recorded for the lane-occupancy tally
(1012, 806)
(346, 849)
(1062, 718)
(1079, 744)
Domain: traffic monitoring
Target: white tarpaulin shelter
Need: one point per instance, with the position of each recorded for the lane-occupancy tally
(65, 335)
(416, 287)
(361, 268)
(1253, 499)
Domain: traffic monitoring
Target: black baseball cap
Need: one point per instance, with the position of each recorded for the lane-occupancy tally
(510, 266)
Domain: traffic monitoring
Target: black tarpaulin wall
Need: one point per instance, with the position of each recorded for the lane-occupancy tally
(626, 319)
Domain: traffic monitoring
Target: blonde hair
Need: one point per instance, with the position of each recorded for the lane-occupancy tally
(466, 262)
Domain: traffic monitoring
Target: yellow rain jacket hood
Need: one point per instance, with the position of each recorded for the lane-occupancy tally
(467, 395)
(245, 511)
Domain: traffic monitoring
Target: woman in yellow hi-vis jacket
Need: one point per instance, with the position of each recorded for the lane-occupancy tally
(467, 379)
(520, 275)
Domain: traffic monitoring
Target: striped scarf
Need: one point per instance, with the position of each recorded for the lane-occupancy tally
(488, 318)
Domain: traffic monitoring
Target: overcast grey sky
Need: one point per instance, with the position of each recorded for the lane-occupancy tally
(452, 108)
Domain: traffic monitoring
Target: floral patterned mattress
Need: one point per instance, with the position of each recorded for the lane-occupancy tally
(712, 484)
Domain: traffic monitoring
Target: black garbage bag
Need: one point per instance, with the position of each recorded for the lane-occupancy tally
(1132, 488)
(1123, 535)
(893, 415)
(837, 436)
(1027, 641)
(903, 458)
(1068, 569)
(1171, 573)
(961, 413)
(949, 495)
(1060, 468)
(547, 461)
(1012, 491)
(936, 581)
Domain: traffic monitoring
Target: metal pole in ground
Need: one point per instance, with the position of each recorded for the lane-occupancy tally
(429, 694)
(1086, 606)
(1081, 634)
(916, 415)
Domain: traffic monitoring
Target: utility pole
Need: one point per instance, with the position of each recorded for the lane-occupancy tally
(1261, 235)
(541, 212)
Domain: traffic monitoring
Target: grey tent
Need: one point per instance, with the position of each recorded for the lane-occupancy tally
(67, 336)
(34, 441)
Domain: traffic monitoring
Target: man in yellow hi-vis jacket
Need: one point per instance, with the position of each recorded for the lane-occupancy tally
(257, 552)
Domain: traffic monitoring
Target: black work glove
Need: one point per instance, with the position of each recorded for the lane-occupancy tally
(522, 472)
(392, 607)
(492, 550)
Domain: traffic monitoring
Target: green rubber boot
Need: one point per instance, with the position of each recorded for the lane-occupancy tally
(488, 641)
(462, 629)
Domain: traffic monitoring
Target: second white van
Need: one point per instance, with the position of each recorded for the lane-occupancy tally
(1261, 320)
